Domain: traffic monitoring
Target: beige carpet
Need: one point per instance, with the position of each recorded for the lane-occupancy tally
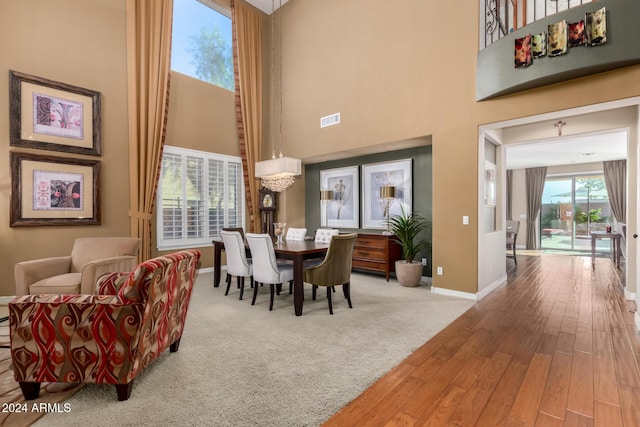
(241, 365)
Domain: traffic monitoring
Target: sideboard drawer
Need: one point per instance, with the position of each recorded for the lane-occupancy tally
(376, 252)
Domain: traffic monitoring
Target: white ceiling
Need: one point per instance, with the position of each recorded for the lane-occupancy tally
(266, 5)
(568, 150)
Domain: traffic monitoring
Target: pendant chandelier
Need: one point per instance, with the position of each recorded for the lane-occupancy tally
(278, 173)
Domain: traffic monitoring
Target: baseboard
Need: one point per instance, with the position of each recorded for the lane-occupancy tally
(207, 270)
(493, 286)
(629, 295)
(452, 293)
(6, 300)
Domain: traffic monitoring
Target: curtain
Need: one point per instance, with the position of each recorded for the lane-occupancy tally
(148, 64)
(509, 194)
(246, 25)
(534, 178)
(615, 177)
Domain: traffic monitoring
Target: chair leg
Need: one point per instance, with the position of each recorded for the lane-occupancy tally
(313, 294)
(30, 390)
(228, 284)
(174, 347)
(271, 286)
(255, 293)
(290, 287)
(241, 280)
(346, 289)
(329, 299)
(124, 391)
(515, 260)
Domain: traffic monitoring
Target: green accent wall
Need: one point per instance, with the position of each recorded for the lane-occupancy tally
(422, 166)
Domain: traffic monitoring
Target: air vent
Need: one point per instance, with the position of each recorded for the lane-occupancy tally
(331, 120)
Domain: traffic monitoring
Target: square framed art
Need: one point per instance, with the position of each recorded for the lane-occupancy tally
(377, 175)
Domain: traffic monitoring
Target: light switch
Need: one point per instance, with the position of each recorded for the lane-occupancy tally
(465, 220)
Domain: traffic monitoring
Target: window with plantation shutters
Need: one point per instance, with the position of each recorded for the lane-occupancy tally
(199, 193)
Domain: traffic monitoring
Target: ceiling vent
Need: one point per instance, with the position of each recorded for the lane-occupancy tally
(331, 120)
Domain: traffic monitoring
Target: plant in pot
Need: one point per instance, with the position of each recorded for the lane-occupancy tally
(407, 228)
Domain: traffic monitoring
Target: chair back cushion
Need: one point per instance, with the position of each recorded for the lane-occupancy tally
(237, 264)
(324, 235)
(87, 249)
(335, 270)
(265, 267)
(296, 233)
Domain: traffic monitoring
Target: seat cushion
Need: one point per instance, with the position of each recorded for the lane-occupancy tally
(68, 283)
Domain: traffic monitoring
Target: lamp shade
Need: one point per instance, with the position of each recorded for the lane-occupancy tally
(388, 192)
(326, 195)
(278, 167)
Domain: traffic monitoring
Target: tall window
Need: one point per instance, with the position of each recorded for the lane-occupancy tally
(201, 42)
(199, 193)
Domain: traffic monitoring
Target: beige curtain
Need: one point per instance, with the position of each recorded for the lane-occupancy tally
(615, 177)
(509, 194)
(148, 64)
(247, 65)
(534, 178)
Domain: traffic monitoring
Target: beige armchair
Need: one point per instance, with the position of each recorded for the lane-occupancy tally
(78, 273)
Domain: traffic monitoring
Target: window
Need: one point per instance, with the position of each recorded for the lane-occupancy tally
(201, 42)
(199, 193)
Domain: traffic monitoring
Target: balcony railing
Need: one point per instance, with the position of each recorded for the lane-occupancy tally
(500, 17)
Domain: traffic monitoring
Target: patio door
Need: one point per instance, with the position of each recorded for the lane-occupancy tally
(573, 207)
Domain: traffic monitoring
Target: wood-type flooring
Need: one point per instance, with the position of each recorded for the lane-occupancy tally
(556, 346)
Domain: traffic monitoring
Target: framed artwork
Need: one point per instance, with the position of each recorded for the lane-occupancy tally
(557, 39)
(49, 190)
(54, 116)
(343, 209)
(596, 27)
(539, 45)
(377, 175)
(522, 51)
(489, 183)
(576, 33)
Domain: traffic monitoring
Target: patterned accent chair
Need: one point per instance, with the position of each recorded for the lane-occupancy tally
(107, 338)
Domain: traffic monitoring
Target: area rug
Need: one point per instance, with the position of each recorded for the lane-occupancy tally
(242, 365)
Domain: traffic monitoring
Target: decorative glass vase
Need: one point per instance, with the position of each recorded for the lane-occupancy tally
(278, 230)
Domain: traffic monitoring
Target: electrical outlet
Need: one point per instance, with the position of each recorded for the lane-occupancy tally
(439, 271)
(424, 262)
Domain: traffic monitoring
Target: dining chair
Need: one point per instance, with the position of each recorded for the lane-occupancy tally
(237, 263)
(335, 270)
(512, 237)
(266, 270)
(323, 235)
(296, 233)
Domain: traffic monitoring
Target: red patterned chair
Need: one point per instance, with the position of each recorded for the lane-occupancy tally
(107, 338)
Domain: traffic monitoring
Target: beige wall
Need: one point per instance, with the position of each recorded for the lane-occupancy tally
(405, 73)
(81, 43)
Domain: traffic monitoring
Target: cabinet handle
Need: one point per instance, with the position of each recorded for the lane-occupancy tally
(364, 253)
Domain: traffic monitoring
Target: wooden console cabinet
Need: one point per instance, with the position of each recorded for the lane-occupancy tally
(376, 252)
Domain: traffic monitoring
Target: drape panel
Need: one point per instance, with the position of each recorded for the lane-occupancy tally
(148, 64)
(509, 193)
(246, 25)
(534, 178)
(615, 177)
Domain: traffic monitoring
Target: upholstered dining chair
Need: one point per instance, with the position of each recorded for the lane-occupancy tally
(296, 233)
(237, 263)
(323, 235)
(512, 238)
(77, 273)
(266, 270)
(335, 270)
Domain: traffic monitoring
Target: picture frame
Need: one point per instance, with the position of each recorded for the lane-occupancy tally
(557, 38)
(489, 184)
(50, 190)
(522, 52)
(596, 27)
(397, 173)
(343, 210)
(576, 34)
(50, 115)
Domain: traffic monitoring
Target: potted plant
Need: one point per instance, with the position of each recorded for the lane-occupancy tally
(407, 227)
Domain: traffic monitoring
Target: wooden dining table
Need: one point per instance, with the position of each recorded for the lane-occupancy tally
(296, 250)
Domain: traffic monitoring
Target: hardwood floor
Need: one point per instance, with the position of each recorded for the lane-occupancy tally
(556, 346)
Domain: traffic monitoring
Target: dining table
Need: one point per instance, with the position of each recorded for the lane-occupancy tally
(295, 250)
